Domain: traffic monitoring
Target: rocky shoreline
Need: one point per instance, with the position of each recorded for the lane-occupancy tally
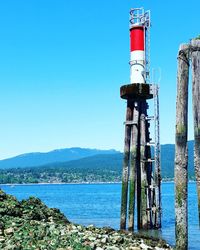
(30, 224)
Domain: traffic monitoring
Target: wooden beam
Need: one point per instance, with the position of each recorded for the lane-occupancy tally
(181, 151)
(125, 171)
(150, 194)
(142, 211)
(195, 57)
(133, 166)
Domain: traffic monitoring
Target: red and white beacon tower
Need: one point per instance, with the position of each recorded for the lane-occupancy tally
(139, 39)
(141, 171)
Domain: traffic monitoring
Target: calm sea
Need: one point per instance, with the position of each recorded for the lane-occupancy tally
(99, 204)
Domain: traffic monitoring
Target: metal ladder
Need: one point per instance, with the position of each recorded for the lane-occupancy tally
(154, 190)
(147, 53)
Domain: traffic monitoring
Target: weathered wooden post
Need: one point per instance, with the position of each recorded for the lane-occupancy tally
(125, 171)
(195, 57)
(133, 164)
(181, 151)
(142, 212)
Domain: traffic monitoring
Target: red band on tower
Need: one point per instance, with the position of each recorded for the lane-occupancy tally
(137, 38)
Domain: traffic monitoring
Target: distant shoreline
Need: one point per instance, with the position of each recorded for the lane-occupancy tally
(58, 183)
(74, 183)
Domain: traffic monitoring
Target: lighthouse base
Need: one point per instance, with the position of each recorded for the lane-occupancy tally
(136, 91)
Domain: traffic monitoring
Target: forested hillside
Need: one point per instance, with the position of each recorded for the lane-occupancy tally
(96, 168)
(59, 155)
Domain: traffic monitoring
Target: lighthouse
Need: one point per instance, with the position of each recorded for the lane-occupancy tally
(137, 48)
(141, 177)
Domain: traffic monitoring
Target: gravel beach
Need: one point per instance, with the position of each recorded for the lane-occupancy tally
(30, 224)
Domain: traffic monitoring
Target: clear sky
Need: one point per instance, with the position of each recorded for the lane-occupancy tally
(62, 63)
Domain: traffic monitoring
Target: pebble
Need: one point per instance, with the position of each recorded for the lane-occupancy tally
(74, 227)
(62, 232)
(91, 238)
(144, 246)
(79, 228)
(9, 231)
(113, 248)
(90, 226)
(104, 240)
(119, 239)
(2, 239)
(74, 231)
(92, 245)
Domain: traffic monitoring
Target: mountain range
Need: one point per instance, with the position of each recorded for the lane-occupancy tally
(78, 159)
(55, 156)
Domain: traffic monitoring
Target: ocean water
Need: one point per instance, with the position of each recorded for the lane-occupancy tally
(99, 204)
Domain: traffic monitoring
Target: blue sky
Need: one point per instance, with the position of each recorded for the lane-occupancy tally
(62, 63)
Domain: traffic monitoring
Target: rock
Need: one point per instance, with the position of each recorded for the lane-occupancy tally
(34, 209)
(74, 231)
(2, 239)
(2, 195)
(93, 245)
(99, 236)
(92, 238)
(113, 248)
(119, 239)
(90, 226)
(62, 232)
(80, 228)
(74, 227)
(143, 246)
(108, 229)
(135, 248)
(9, 231)
(1, 225)
(104, 240)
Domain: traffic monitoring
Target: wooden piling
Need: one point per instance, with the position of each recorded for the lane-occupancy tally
(137, 163)
(195, 57)
(142, 212)
(150, 190)
(125, 174)
(133, 165)
(181, 151)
